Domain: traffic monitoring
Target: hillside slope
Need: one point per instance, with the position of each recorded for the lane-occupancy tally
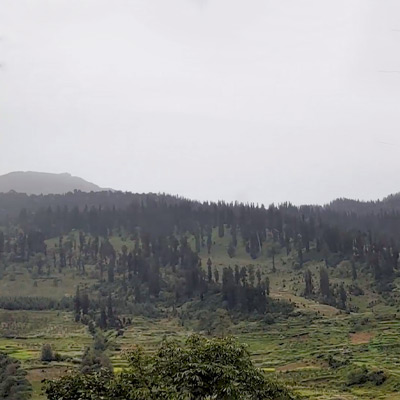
(30, 182)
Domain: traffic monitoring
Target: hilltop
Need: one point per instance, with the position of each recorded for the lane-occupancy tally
(31, 182)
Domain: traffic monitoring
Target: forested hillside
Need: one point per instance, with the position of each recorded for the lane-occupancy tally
(98, 263)
(166, 234)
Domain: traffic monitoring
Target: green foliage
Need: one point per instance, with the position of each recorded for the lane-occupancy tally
(94, 361)
(215, 323)
(362, 375)
(202, 369)
(34, 303)
(47, 353)
(94, 358)
(13, 384)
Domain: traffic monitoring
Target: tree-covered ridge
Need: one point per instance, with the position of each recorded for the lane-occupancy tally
(164, 268)
(13, 382)
(159, 224)
(201, 369)
(151, 277)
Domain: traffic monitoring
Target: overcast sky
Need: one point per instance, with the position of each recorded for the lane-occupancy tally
(258, 100)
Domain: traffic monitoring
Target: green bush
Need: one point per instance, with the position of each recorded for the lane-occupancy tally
(47, 354)
(362, 375)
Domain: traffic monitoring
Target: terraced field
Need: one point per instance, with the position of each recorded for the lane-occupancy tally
(299, 354)
(23, 333)
(296, 351)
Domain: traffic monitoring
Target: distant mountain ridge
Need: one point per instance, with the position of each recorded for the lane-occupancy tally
(387, 204)
(31, 182)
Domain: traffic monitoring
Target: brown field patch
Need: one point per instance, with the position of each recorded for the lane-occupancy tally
(361, 337)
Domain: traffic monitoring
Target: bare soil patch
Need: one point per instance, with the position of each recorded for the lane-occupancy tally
(361, 337)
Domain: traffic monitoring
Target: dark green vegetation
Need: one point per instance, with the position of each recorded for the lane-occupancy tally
(312, 290)
(203, 369)
(13, 382)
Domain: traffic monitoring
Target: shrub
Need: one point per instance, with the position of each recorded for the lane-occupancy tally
(47, 353)
(269, 319)
(361, 375)
(13, 382)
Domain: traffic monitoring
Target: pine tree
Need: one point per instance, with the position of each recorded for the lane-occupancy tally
(272, 251)
(309, 290)
(111, 272)
(209, 243)
(267, 286)
(353, 269)
(324, 283)
(110, 311)
(209, 270)
(258, 274)
(197, 242)
(85, 303)
(228, 287)
(300, 257)
(342, 296)
(77, 304)
(216, 275)
(237, 275)
(221, 228)
(103, 318)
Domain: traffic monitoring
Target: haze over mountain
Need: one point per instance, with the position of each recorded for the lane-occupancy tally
(31, 182)
(264, 102)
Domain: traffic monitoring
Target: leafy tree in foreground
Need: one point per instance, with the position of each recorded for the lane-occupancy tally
(201, 369)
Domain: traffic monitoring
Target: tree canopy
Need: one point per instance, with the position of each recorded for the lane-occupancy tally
(202, 368)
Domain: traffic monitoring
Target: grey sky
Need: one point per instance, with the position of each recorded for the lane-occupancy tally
(255, 100)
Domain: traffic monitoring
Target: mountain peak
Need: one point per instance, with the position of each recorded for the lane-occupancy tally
(32, 182)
